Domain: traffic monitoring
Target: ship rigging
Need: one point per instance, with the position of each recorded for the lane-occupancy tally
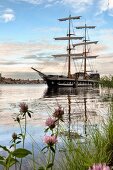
(79, 78)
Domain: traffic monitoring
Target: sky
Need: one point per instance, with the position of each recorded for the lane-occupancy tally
(27, 29)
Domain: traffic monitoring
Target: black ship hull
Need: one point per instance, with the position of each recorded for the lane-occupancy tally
(54, 83)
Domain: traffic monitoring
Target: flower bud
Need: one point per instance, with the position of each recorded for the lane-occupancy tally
(14, 136)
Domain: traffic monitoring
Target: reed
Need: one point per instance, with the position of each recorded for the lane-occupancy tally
(96, 148)
(106, 81)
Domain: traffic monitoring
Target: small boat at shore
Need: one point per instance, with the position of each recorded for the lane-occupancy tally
(83, 77)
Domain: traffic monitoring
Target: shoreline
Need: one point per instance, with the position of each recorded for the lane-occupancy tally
(4, 80)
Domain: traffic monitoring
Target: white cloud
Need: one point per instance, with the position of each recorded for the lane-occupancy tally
(48, 5)
(79, 5)
(82, 4)
(28, 48)
(35, 2)
(105, 5)
(7, 15)
(37, 54)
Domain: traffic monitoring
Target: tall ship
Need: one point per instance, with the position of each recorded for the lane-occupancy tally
(83, 77)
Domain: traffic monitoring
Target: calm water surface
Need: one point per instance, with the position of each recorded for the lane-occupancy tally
(83, 108)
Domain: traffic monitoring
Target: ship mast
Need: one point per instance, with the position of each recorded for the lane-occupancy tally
(69, 38)
(85, 43)
(85, 55)
(69, 50)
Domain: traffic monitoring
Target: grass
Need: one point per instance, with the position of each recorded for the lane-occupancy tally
(96, 148)
(106, 81)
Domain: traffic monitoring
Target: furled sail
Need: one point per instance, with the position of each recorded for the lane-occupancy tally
(82, 27)
(68, 38)
(83, 43)
(67, 55)
(88, 57)
(69, 18)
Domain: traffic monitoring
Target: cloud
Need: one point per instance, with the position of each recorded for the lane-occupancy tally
(28, 48)
(31, 57)
(7, 15)
(80, 5)
(8, 63)
(34, 2)
(48, 5)
(105, 5)
(38, 56)
(22, 56)
(100, 48)
(104, 64)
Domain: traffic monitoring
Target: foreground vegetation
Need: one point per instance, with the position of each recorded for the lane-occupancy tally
(92, 152)
(106, 81)
(96, 148)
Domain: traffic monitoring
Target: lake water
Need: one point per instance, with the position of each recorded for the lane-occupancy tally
(83, 108)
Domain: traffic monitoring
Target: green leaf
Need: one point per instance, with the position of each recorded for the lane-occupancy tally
(30, 111)
(2, 163)
(53, 150)
(12, 162)
(62, 120)
(49, 165)
(1, 158)
(4, 148)
(21, 153)
(41, 168)
(12, 146)
(29, 114)
(44, 148)
(46, 130)
(18, 142)
(23, 136)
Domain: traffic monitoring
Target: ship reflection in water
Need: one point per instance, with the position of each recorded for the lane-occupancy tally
(81, 109)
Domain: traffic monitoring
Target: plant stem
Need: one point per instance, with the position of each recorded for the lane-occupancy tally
(25, 131)
(49, 156)
(23, 136)
(34, 166)
(15, 156)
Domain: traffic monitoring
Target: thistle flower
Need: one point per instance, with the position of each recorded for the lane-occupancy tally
(50, 140)
(58, 113)
(23, 107)
(99, 167)
(50, 123)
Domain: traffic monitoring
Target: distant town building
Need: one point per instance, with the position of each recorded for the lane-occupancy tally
(4, 80)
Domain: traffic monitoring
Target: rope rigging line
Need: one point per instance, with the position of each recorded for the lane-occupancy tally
(81, 66)
(88, 35)
(63, 69)
(73, 28)
(90, 65)
(75, 65)
(48, 58)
